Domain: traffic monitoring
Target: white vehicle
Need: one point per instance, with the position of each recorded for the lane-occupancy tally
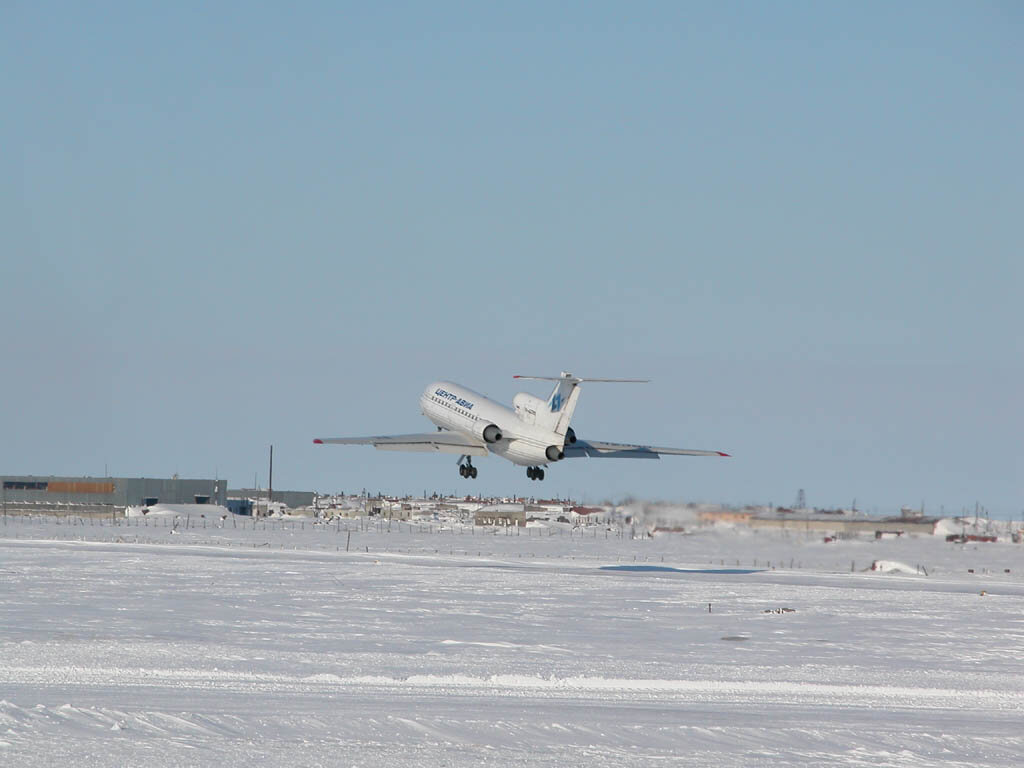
(533, 433)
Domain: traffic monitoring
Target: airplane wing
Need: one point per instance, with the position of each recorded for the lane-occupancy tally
(600, 450)
(443, 442)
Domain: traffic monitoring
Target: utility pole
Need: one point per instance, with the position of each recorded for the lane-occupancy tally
(270, 482)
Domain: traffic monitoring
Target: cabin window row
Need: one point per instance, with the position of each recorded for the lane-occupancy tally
(457, 410)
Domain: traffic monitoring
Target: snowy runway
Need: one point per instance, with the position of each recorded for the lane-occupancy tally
(176, 654)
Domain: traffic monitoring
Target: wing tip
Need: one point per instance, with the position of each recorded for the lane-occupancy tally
(723, 454)
(317, 441)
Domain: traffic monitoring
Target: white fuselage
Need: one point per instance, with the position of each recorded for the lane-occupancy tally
(454, 407)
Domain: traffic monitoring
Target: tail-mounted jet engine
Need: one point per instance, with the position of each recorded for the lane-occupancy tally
(570, 436)
(554, 453)
(491, 433)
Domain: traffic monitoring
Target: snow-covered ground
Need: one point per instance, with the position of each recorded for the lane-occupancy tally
(143, 643)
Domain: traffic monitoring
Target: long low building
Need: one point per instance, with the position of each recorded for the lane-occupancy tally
(501, 514)
(37, 493)
(838, 524)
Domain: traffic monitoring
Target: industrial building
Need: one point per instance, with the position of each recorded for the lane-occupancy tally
(291, 499)
(76, 495)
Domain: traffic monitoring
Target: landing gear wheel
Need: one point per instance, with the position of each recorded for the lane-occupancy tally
(529, 473)
(467, 469)
(540, 473)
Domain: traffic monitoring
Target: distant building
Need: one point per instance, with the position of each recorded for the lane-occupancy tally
(501, 514)
(588, 514)
(737, 516)
(239, 506)
(836, 524)
(553, 507)
(291, 499)
(52, 494)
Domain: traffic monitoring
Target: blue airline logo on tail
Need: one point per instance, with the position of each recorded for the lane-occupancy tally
(556, 402)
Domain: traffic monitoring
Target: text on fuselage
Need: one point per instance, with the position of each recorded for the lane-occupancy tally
(455, 399)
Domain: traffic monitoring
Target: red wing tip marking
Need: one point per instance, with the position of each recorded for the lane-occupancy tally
(517, 377)
(724, 454)
(318, 441)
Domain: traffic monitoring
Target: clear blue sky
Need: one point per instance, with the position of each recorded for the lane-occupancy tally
(226, 225)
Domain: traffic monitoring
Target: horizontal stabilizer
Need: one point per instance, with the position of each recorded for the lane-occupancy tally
(601, 450)
(562, 402)
(577, 379)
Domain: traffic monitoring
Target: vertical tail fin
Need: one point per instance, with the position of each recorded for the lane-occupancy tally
(561, 404)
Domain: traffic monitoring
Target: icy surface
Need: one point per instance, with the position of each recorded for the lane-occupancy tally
(429, 645)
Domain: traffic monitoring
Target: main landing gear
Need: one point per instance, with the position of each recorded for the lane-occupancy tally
(535, 473)
(467, 470)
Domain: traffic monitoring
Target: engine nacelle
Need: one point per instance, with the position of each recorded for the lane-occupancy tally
(491, 433)
(554, 453)
(570, 436)
(527, 407)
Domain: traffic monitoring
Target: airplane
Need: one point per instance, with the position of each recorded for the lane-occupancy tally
(533, 433)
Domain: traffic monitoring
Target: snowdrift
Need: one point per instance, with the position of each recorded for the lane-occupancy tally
(892, 566)
(194, 510)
